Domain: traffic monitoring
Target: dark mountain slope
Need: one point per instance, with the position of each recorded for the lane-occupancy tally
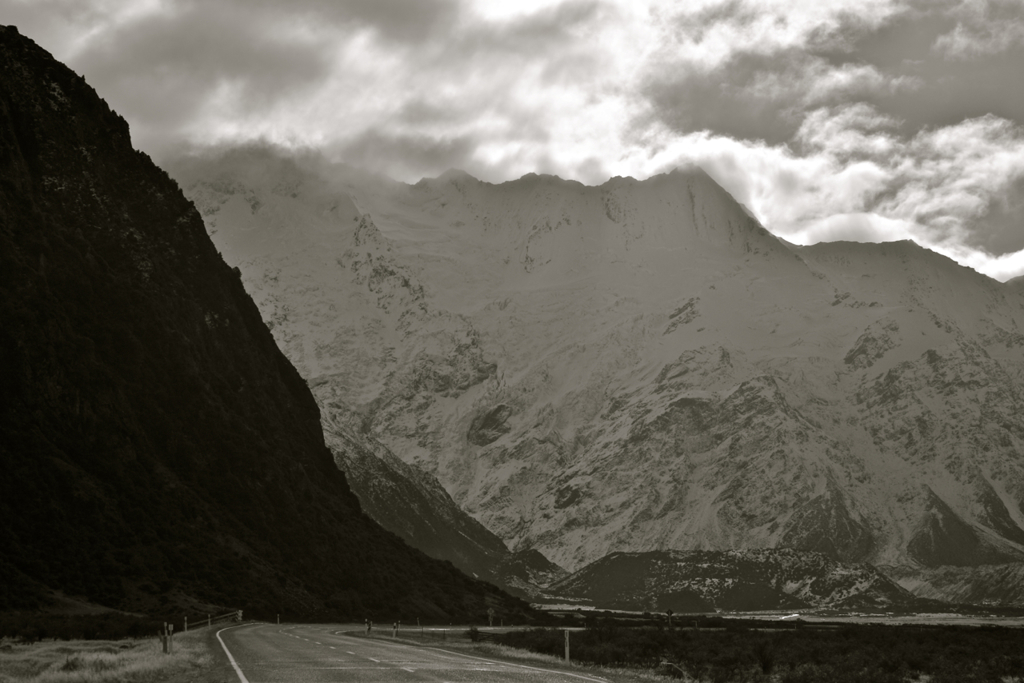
(412, 504)
(155, 444)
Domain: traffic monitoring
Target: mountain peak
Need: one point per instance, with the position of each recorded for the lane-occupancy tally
(456, 174)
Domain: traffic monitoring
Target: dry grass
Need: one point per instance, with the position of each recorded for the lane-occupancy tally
(506, 652)
(615, 674)
(103, 661)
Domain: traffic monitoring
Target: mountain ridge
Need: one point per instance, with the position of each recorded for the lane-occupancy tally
(642, 366)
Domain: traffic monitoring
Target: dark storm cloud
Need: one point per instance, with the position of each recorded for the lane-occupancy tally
(161, 69)
(482, 85)
(758, 96)
(760, 91)
(397, 20)
(411, 155)
(897, 65)
(955, 82)
(188, 63)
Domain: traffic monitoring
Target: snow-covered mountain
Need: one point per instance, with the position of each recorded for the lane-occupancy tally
(641, 366)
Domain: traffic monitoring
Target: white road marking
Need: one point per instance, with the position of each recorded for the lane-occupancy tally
(241, 676)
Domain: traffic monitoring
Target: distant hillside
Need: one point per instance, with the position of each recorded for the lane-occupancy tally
(158, 450)
(738, 580)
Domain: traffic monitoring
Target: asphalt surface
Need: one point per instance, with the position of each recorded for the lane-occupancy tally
(265, 653)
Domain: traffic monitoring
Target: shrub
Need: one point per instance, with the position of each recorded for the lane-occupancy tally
(764, 651)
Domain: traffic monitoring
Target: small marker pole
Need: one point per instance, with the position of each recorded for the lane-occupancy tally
(566, 646)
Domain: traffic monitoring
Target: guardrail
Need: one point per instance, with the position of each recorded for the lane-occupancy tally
(210, 620)
(166, 635)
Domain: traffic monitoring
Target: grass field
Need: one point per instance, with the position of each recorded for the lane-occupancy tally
(102, 661)
(846, 654)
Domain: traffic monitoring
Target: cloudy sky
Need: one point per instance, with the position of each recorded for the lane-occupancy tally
(868, 120)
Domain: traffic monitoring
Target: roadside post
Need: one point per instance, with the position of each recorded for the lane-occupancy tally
(167, 638)
(566, 646)
(186, 624)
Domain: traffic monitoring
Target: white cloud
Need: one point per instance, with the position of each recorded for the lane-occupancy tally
(983, 28)
(1001, 268)
(706, 34)
(949, 176)
(855, 227)
(856, 179)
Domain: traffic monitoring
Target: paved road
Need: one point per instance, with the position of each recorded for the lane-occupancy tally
(313, 654)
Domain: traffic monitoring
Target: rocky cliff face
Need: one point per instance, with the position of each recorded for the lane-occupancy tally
(738, 580)
(640, 365)
(412, 504)
(158, 450)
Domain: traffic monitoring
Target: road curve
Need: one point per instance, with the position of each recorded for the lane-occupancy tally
(313, 653)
